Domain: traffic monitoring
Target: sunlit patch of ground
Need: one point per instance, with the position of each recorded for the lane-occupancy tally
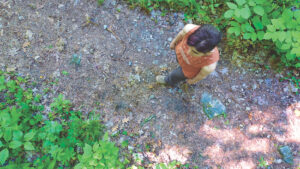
(241, 148)
(292, 133)
(170, 153)
(242, 164)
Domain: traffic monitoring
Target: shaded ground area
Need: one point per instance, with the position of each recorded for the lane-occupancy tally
(105, 59)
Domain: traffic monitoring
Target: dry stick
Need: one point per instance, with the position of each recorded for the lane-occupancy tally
(122, 42)
(109, 29)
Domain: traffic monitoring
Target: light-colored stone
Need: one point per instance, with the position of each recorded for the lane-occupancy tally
(29, 35)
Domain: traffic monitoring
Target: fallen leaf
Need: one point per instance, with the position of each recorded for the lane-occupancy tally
(26, 44)
(163, 69)
(150, 86)
(159, 143)
(125, 120)
(115, 128)
(250, 116)
(10, 69)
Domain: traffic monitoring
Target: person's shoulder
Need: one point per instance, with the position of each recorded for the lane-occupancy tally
(189, 27)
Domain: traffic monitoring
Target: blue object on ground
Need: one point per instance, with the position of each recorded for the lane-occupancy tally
(212, 107)
(76, 59)
(287, 155)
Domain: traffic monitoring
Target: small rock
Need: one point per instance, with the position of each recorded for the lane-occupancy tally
(248, 108)
(278, 161)
(113, 3)
(21, 18)
(254, 86)
(170, 39)
(180, 25)
(29, 35)
(117, 16)
(260, 81)
(212, 107)
(56, 73)
(36, 58)
(153, 14)
(152, 97)
(137, 77)
(234, 88)
(164, 53)
(104, 26)
(163, 66)
(293, 88)
(74, 27)
(60, 6)
(214, 74)
(109, 124)
(286, 153)
(268, 82)
(141, 132)
(261, 101)
(175, 15)
(13, 51)
(224, 71)
(155, 62)
(286, 89)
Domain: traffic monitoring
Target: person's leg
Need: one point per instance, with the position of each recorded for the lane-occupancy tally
(175, 77)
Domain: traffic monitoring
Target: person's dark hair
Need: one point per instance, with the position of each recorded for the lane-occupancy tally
(205, 38)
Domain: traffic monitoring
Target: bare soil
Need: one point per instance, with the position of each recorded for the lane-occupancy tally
(105, 59)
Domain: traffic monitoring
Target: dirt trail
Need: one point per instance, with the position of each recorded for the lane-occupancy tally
(105, 59)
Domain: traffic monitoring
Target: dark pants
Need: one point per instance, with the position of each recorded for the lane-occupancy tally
(175, 77)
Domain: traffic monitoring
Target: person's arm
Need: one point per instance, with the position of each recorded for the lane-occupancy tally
(206, 70)
(181, 34)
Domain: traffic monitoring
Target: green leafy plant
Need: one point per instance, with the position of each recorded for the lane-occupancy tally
(103, 154)
(65, 73)
(262, 162)
(202, 11)
(31, 138)
(264, 20)
(284, 32)
(171, 165)
(100, 2)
